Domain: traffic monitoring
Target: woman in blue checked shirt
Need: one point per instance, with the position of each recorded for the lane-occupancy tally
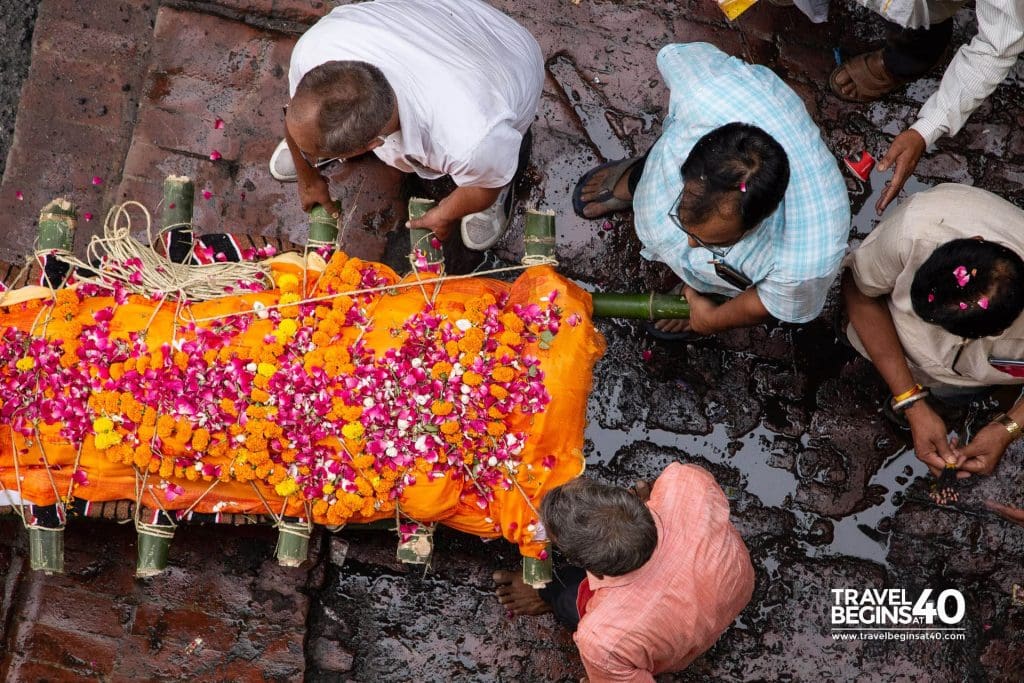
(739, 195)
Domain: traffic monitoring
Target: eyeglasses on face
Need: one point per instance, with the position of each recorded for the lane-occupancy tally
(723, 270)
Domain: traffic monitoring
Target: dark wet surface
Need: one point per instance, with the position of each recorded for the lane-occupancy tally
(824, 489)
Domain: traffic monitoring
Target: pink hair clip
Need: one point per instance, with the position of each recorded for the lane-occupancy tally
(743, 186)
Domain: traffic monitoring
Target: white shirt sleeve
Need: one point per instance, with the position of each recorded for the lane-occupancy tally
(976, 70)
(493, 162)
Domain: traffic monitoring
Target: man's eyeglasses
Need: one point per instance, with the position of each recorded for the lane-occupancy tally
(722, 269)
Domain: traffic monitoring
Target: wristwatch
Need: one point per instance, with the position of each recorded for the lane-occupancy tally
(1009, 424)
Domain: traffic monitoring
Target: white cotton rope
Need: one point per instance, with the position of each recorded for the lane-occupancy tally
(159, 275)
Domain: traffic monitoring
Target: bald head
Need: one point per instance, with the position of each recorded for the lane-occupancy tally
(339, 108)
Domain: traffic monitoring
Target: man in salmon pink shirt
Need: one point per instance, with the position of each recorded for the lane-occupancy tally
(662, 572)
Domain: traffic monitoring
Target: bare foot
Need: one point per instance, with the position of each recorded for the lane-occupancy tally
(673, 325)
(517, 597)
(595, 186)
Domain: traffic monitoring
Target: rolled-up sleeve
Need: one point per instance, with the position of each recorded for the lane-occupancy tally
(880, 259)
(976, 70)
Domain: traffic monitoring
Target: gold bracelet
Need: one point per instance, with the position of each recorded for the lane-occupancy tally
(1009, 424)
(907, 394)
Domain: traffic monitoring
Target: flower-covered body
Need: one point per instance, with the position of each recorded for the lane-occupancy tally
(317, 398)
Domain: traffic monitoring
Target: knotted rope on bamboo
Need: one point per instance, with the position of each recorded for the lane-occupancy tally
(117, 256)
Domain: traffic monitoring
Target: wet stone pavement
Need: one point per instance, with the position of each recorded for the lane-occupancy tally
(824, 490)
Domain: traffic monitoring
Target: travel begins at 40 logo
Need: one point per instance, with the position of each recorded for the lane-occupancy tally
(890, 614)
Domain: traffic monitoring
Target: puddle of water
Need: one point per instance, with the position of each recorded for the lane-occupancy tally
(773, 486)
(864, 217)
(590, 108)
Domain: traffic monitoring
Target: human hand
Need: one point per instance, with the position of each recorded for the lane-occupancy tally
(984, 451)
(905, 151)
(1011, 514)
(930, 437)
(437, 221)
(315, 191)
(702, 309)
(642, 490)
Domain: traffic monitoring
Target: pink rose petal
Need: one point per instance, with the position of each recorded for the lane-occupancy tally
(80, 477)
(96, 180)
(931, 298)
(207, 194)
(218, 124)
(983, 302)
(215, 155)
(19, 195)
(647, 354)
(87, 216)
(963, 306)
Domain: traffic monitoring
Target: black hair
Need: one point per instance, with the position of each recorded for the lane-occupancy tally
(736, 163)
(990, 298)
(354, 103)
(605, 529)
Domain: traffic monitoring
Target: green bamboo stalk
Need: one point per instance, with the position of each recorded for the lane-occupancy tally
(178, 198)
(536, 572)
(419, 547)
(323, 227)
(639, 306)
(57, 222)
(539, 235)
(292, 541)
(46, 549)
(154, 544)
(421, 238)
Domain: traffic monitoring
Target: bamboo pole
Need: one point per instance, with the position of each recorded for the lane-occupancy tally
(46, 539)
(536, 572)
(57, 222)
(292, 541)
(650, 306)
(418, 548)
(420, 238)
(154, 544)
(178, 200)
(539, 234)
(323, 227)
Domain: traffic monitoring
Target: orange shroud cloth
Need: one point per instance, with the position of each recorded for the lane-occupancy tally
(472, 428)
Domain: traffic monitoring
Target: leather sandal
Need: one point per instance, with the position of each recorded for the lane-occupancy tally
(870, 79)
(614, 171)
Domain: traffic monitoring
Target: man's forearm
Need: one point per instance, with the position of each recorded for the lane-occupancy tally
(871, 319)
(745, 310)
(466, 200)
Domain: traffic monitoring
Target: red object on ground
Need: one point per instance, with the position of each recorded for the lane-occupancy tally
(860, 164)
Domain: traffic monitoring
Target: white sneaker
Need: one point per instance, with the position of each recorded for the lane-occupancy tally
(282, 166)
(481, 230)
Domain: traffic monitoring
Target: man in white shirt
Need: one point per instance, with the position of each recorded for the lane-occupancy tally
(922, 30)
(447, 87)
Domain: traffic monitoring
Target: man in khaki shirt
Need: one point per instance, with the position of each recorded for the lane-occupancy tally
(948, 325)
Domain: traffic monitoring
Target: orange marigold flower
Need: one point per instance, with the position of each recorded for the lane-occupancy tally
(441, 408)
(164, 426)
(228, 406)
(511, 322)
(503, 373)
(496, 428)
(452, 348)
(498, 392)
(441, 369)
(201, 439)
(449, 427)
(508, 338)
(471, 378)
(351, 413)
(495, 413)
(259, 396)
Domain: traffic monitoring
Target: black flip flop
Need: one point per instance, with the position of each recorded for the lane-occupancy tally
(606, 195)
(660, 335)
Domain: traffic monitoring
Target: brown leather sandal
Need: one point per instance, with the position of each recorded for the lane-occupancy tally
(869, 77)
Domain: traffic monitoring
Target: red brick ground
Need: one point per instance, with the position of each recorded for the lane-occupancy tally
(128, 91)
